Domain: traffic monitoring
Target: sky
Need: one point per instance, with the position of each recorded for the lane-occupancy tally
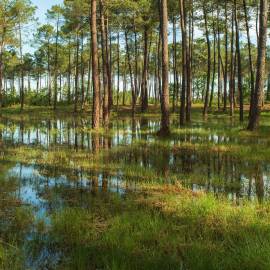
(43, 6)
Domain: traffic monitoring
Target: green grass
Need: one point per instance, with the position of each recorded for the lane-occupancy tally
(160, 224)
(163, 228)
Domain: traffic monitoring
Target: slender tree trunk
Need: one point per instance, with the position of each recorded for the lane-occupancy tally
(82, 72)
(206, 100)
(89, 84)
(133, 90)
(219, 60)
(165, 118)
(124, 83)
(184, 60)
(136, 61)
(214, 68)
(189, 65)
(76, 74)
(232, 67)
(258, 93)
(56, 63)
(21, 69)
(144, 93)
(159, 65)
(118, 70)
(49, 73)
(174, 63)
(105, 60)
(239, 65)
(251, 69)
(109, 66)
(226, 60)
(95, 69)
(69, 71)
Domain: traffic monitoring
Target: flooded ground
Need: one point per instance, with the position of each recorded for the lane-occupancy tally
(48, 166)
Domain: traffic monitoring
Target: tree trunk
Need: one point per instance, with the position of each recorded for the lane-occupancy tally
(1, 77)
(232, 68)
(226, 60)
(105, 60)
(214, 68)
(165, 118)
(82, 72)
(239, 65)
(206, 100)
(219, 60)
(109, 66)
(21, 69)
(251, 70)
(133, 90)
(118, 70)
(174, 63)
(258, 93)
(76, 74)
(95, 69)
(56, 63)
(144, 93)
(184, 60)
(189, 64)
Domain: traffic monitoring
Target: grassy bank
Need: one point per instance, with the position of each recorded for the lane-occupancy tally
(162, 227)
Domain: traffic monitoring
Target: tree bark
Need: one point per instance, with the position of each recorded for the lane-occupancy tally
(95, 69)
(184, 60)
(226, 60)
(165, 114)
(239, 67)
(144, 92)
(105, 60)
(251, 70)
(232, 67)
(258, 93)
(133, 90)
(206, 99)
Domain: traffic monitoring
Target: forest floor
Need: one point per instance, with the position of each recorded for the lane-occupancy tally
(123, 198)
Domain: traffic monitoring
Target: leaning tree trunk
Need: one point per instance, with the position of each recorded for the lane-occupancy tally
(258, 93)
(133, 89)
